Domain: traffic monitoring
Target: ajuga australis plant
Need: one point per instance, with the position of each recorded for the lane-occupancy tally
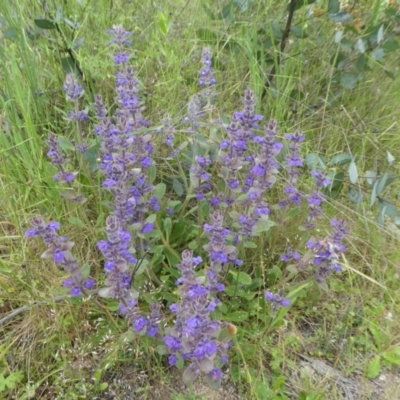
(222, 205)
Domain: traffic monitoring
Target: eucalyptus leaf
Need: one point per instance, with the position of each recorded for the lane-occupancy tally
(333, 6)
(378, 54)
(379, 36)
(390, 158)
(370, 177)
(381, 183)
(348, 80)
(341, 16)
(298, 32)
(353, 173)
(360, 46)
(373, 194)
(315, 161)
(341, 159)
(338, 36)
(355, 196)
(388, 207)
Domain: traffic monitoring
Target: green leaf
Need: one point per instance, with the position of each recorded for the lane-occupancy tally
(167, 224)
(241, 277)
(103, 386)
(301, 3)
(90, 156)
(389, 74)
(370, 177)
(390, 208)
(263, 225)
(390, 158)
(250, 245)
(236, 316)
(355, 196)
(361, 62)
(85, 270)
(390, 45)
(336, 179)
(69, 65)
(374, 367)
(360, 46)
(298, 32)
(59, 14)
(373, 194)
(44, 23)
(353, 173)
(162, 350)
(276, 31)
(348, 80)
(172, 257)
(178, 187)
(164, 22)
(314, 161)
(263, 391)
(151, 218)
(392, 355)
(226, 11)
(382, 183)
(243, 4)
(159, 190)
(379, 35)
(179, 228)
(10, 33)
(333, 6)
(338, 36)
(73, 25)
(378, 54)
(78, 42)
(341, 159)
(341, 16)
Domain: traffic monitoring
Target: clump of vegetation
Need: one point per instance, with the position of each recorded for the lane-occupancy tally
(207, 239)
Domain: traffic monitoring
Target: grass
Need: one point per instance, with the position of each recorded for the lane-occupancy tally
(72, 349)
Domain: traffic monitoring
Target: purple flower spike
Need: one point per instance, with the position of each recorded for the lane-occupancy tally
(120, 36)
(71, 88)
(277, 299)
(206, 73)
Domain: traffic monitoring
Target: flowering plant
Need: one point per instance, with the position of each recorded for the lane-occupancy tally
(221, 210)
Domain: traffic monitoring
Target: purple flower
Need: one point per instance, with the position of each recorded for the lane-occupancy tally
(76, 291)
(121, 57)
(59, 249)
(207, 347)
(277, 299)
(172, 359)
(206, 73)
(215, 374)
(174, 308)
(139, 324)
(120, 36)
(147, 227)
(172, 343)
(71, 88)
(88, 284)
